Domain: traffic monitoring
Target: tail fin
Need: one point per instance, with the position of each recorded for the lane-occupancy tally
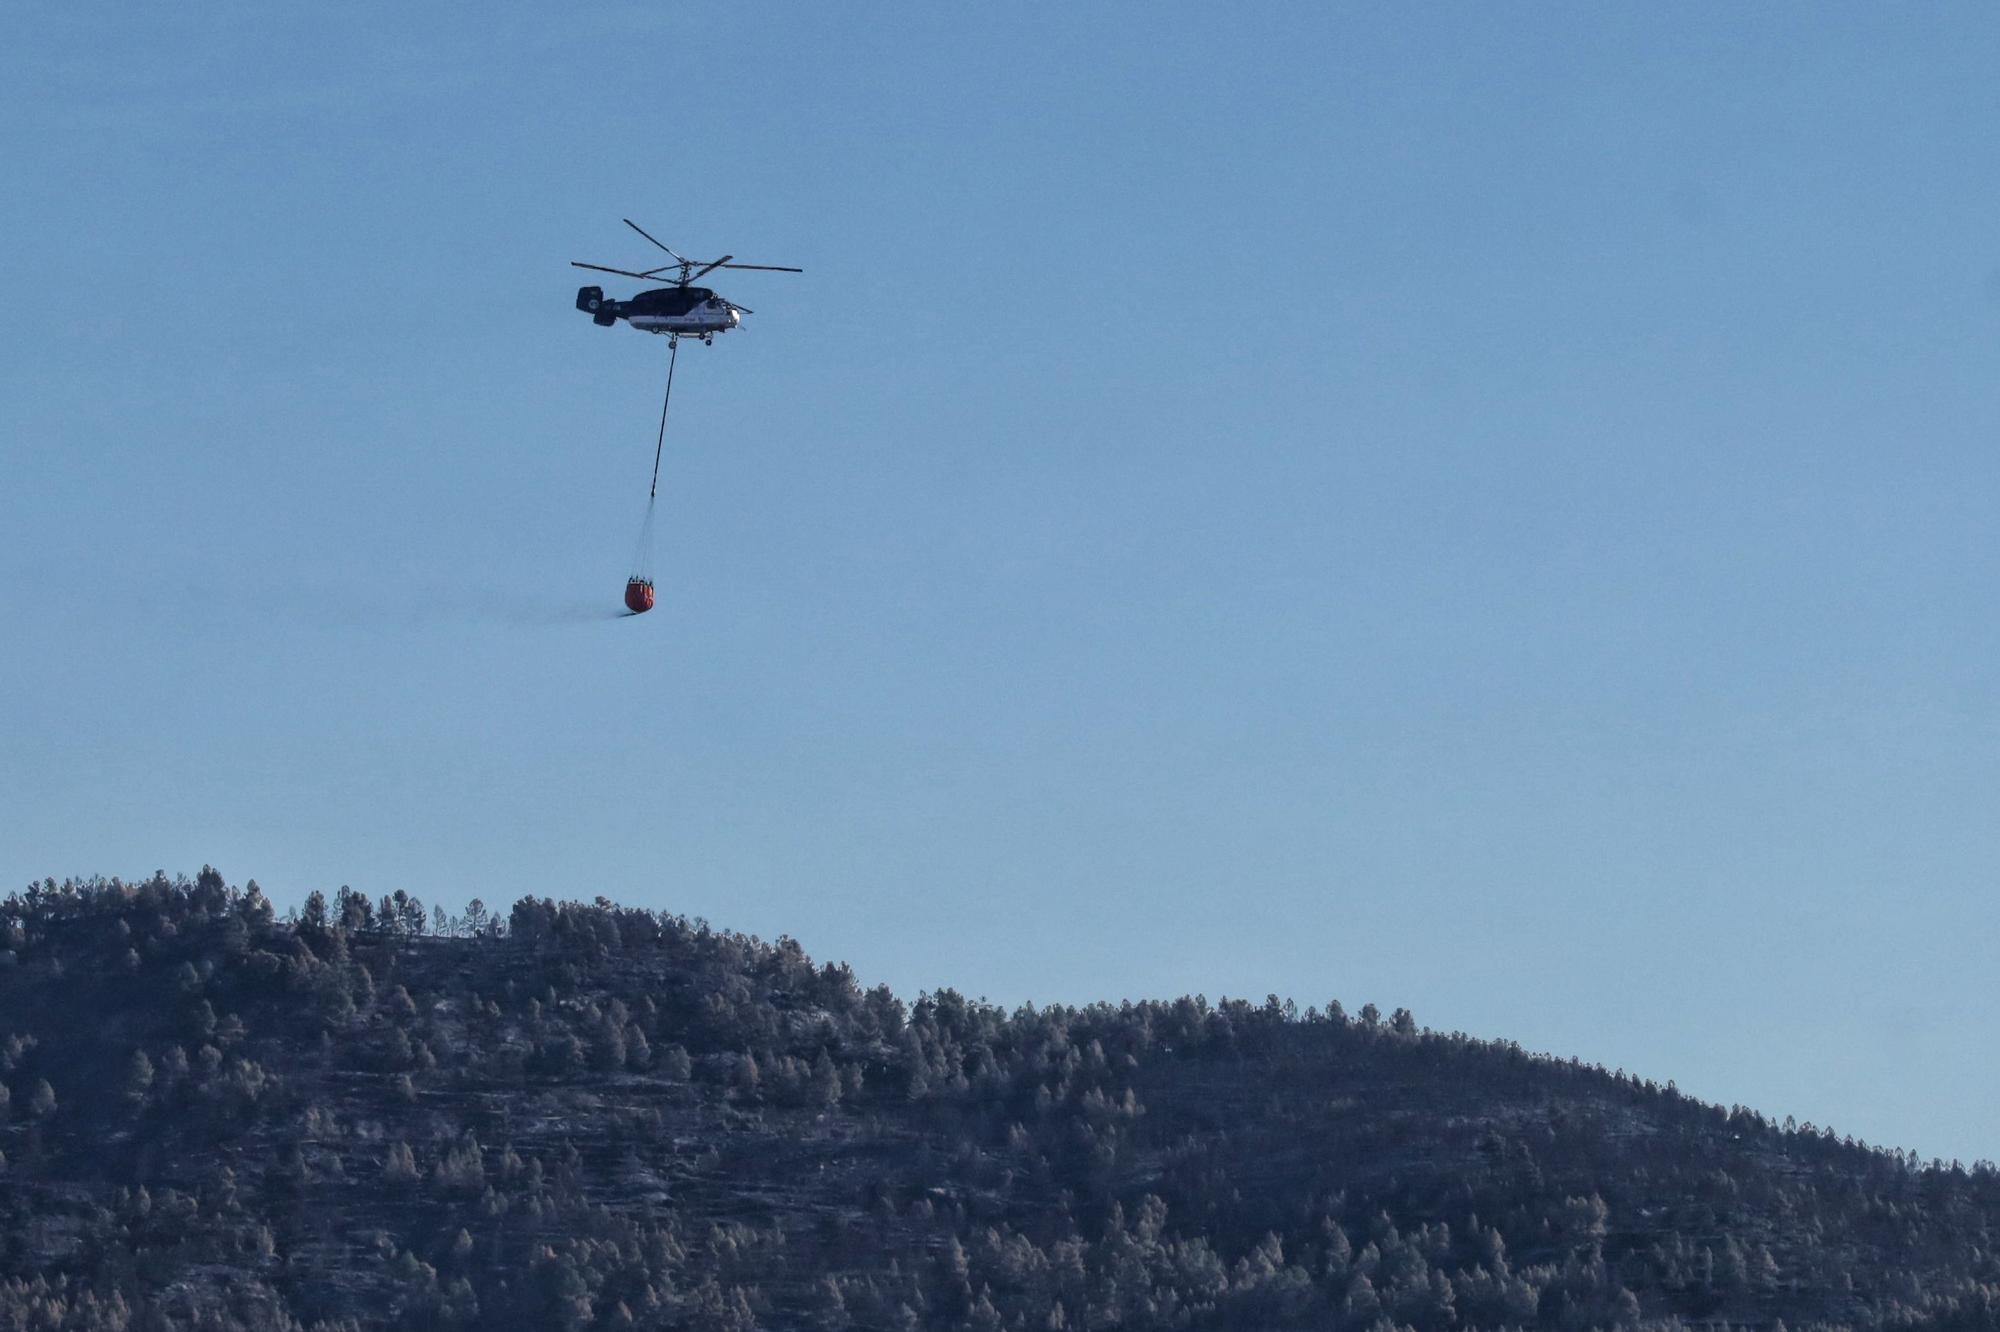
(591, 301)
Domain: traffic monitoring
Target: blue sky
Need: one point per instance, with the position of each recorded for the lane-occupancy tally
(1479, 508)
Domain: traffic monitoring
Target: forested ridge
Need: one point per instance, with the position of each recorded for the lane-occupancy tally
(371, 1114)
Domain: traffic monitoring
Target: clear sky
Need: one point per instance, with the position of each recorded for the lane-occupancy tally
(1486, 508)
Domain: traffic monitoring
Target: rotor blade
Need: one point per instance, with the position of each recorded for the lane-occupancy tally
(723, 262)
(642, 231)
(768, 268)
(600, 268)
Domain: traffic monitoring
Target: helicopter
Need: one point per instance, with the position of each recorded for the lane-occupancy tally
(678, 311)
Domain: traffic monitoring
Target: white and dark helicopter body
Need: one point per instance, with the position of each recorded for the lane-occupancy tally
(681, 310)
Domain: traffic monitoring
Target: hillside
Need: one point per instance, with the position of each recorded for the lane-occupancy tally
(585, 1116)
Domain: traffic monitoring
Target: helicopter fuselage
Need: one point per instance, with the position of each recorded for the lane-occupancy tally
(675, 311)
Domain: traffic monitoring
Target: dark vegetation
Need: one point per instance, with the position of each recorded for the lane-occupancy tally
(593, 1117)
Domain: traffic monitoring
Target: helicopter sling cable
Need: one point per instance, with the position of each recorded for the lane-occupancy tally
(639, 587)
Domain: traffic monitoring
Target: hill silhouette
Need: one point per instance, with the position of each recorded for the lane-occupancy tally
(586, 1116)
